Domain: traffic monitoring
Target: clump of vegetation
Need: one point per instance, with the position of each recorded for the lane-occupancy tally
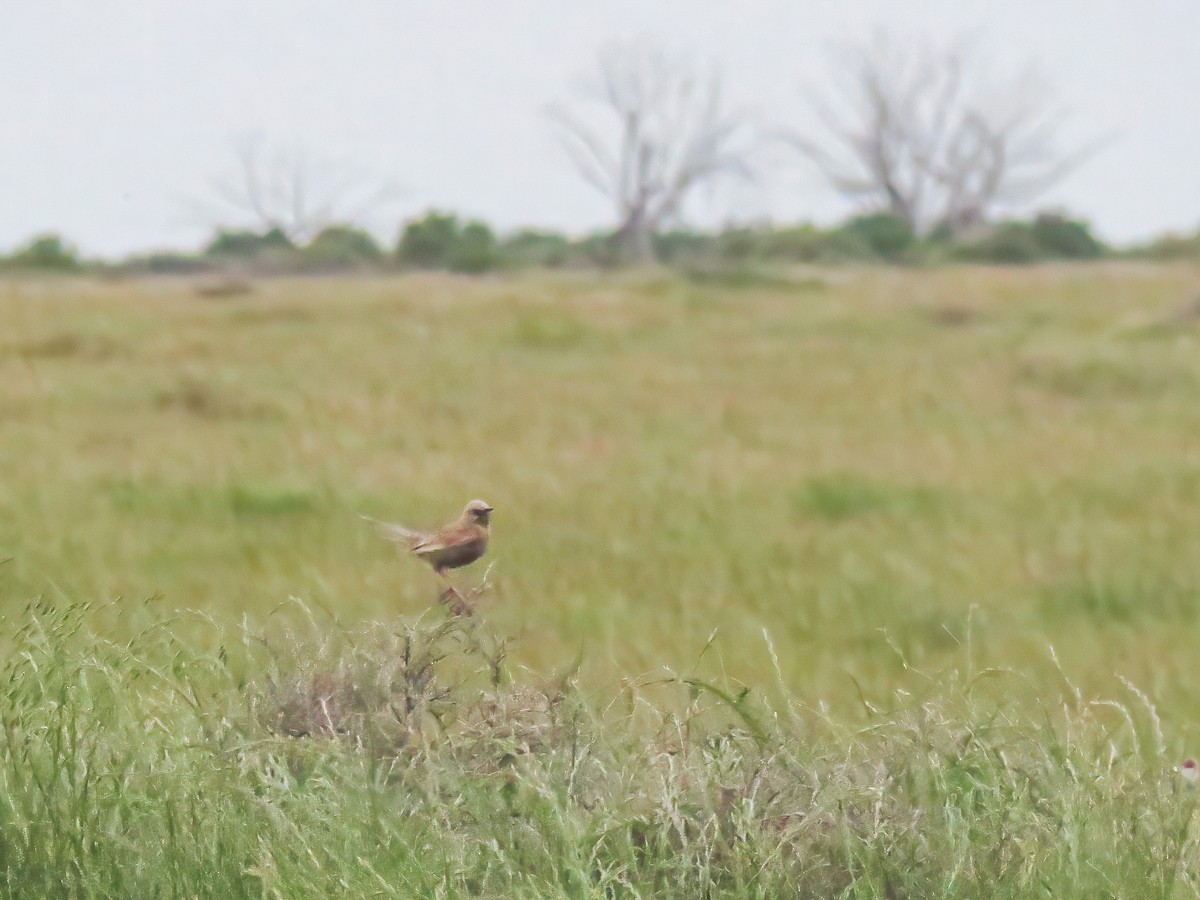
(248, 244)
(530, 248)
(47, 253)
(440, 241)
(474, 250)
(342, 248)
(1008, 244)
(426, 243)
(888, 237)
(1049, 236)
(167, 264)
(1170, 248)
(1060, 237)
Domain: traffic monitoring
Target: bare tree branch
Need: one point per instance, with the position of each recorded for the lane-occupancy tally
(651, 131)
(921, 134)
(270, 187)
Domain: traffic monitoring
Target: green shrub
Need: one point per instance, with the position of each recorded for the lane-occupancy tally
(1058, 237)
(1008, 243)
(888, 237)
(427, 243)
(809, 244)
(248, 244)
(342, 247)
(1170, 248)
(168, 264)
(598, 249)
(685, 246)
(539, 249)
(48, 252)
(737, 245)
(473, 250)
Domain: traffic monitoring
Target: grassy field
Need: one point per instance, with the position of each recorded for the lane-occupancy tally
(942, 523)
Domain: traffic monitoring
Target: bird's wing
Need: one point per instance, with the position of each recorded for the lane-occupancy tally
(452, 536)
(431, 544)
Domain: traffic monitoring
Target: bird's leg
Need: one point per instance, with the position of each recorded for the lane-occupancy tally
(452, 598)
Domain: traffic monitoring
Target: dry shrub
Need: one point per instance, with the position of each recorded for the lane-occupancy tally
(67, 345)
(953, 316)
(380, 689)
(203, 399)
(224, 289)
(507, 722)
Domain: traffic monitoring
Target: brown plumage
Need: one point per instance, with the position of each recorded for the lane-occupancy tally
(458, 544)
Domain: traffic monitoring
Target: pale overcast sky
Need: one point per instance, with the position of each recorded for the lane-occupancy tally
(118, 113)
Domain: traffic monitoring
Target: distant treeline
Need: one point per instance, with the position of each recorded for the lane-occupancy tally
(443, 242)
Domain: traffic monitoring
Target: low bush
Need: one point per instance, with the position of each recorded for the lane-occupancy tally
(47, 252)
(341, 248)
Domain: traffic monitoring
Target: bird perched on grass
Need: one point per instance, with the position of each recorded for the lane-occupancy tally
(457, 544)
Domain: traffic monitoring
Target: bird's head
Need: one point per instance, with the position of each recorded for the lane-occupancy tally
(478, 512)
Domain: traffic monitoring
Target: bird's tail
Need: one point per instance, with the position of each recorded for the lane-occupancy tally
(394, 532)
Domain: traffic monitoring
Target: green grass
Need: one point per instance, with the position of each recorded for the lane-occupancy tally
(904, 478)
(402, 760)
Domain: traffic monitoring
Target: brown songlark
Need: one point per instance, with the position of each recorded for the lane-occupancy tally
(457, 544)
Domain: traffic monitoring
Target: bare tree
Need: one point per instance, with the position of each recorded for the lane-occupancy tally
(919, 132)
(274, 187)
(649, 131)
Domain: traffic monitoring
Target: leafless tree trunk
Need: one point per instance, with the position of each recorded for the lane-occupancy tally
(647, 133)
(919, 132)
(272, 187)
